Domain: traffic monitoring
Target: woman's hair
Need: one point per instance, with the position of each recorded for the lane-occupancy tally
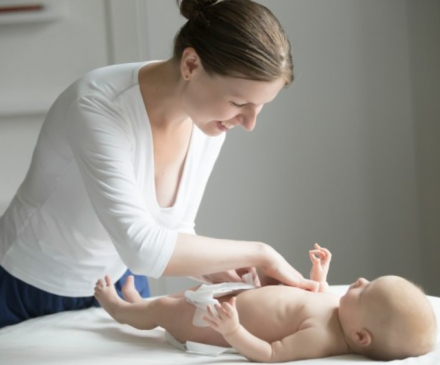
(236, 38)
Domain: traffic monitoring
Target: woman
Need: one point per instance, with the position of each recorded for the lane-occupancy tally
(122, 161)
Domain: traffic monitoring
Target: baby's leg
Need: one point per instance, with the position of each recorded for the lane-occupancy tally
(174, 314)
(140, 314)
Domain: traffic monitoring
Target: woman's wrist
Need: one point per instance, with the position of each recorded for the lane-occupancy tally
(266, 255)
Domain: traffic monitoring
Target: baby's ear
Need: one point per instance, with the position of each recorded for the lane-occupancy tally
(362, 338)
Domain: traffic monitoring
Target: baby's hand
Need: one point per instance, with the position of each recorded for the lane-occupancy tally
(320, 258)
(225, 321)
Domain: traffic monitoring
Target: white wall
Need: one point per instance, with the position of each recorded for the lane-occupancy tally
(335, 159)
(37, 61)
(332, 160)
(424, 36)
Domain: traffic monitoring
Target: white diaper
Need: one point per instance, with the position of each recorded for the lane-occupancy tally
(199, 348)
(205, 296)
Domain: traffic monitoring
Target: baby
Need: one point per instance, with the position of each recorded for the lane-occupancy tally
(385, 319)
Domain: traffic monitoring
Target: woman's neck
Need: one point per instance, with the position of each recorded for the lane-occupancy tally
(161, 86)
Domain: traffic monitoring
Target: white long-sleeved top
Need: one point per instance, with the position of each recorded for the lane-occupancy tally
(88, 206)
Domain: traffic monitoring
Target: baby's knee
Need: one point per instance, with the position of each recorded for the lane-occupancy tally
(169, 306)
(165, 302)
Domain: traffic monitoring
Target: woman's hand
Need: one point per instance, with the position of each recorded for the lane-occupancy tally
(279, 271)
(224, 319)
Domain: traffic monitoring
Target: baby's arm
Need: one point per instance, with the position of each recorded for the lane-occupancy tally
(307, 343)
(320, 258)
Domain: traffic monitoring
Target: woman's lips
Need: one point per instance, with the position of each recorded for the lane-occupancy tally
(224, 126)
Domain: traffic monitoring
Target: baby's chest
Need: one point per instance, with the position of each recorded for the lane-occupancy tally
(272, 316)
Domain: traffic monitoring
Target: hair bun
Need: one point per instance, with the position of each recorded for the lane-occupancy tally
(190, 9)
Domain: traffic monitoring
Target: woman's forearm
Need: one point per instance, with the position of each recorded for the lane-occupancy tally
(198, 255)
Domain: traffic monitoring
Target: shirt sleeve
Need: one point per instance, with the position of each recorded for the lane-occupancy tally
(101, 144)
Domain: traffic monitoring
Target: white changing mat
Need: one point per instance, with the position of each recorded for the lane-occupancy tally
(92, 337)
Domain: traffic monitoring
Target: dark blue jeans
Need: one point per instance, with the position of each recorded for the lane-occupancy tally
(20, 301)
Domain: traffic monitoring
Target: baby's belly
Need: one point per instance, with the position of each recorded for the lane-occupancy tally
(272, 312)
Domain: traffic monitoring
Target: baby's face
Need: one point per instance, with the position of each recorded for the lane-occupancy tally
(353, 304)
(359, 300)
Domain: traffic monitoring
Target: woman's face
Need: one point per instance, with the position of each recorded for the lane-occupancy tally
(217, 104)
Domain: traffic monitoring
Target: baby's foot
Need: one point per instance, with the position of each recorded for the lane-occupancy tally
(129, 291)
(107, 296)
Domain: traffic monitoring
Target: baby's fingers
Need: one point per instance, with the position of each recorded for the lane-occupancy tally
(321, 251)
(231, 304)
(218, 313)
(312, 255)
(225, 311)
(327, 253)
(315, 256)
(326, 257)
(213, 310)
(212, 317)
(211, 323)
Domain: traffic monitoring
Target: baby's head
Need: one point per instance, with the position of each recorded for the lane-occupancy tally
(386, 319)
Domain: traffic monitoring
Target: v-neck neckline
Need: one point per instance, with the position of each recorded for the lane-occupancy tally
(152, 174)
(151, 164)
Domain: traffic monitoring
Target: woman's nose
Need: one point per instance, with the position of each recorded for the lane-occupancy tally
(249, 123)
(249, 118)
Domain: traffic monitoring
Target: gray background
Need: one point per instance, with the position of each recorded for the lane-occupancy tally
(348, 156)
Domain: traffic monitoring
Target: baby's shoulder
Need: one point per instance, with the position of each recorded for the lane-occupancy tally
(323, 319)
(324, 336)
(320, 311)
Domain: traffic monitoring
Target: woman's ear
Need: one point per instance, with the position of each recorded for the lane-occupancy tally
(190, 62)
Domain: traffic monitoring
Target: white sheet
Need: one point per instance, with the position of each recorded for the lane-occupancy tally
(92, 337)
